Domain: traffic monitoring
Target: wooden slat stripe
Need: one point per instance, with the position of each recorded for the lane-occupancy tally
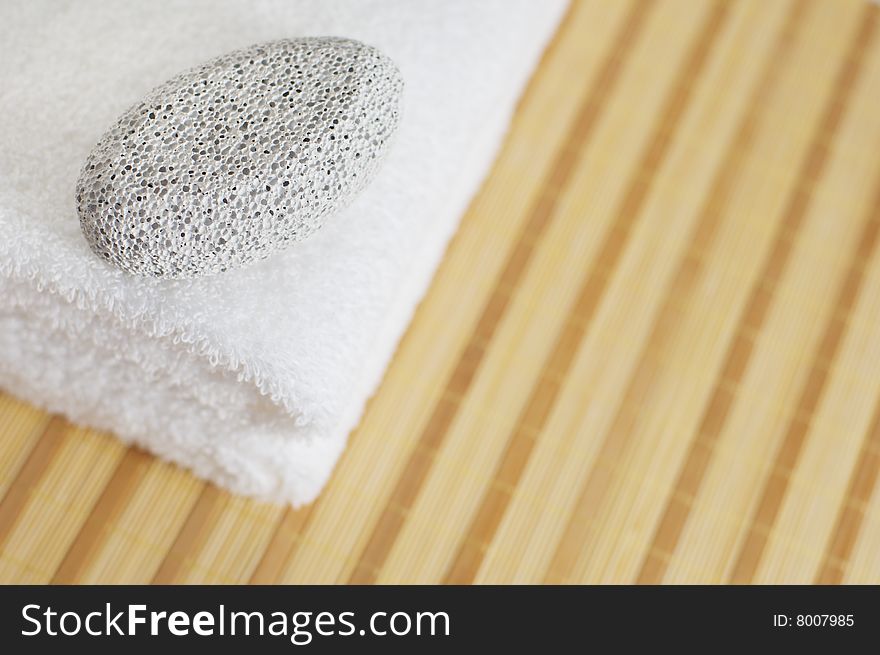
(773, 492)
(692, 266)
(543, 211)
(752, 319)
(60, 501)
(192, 534)
(238, 535)
(282, 545)
(30, 474)
(21, 427)
(852, 510)
(775, 487)
(135, 543)
(555, 369)
(599, 478)
(462, 468)
(128, 475)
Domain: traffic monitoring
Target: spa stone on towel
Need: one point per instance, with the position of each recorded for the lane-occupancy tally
(230, 161)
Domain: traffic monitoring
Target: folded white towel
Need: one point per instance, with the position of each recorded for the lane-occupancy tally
(253, 378)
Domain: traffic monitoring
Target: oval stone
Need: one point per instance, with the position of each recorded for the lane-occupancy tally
(235, 159)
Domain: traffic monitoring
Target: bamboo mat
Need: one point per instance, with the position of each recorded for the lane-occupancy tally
(652, 353)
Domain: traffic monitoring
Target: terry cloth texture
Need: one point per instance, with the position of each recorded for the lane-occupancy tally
(253, 378)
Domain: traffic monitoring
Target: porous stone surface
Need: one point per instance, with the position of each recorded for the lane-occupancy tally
(237, 158)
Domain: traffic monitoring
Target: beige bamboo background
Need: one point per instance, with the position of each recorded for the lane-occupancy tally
(652, 352)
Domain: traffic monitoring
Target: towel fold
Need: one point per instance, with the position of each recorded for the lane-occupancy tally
(253, 378)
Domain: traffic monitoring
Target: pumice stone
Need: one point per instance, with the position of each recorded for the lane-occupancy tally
(237, 158)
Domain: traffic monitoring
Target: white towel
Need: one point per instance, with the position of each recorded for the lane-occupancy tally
(254, 378)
